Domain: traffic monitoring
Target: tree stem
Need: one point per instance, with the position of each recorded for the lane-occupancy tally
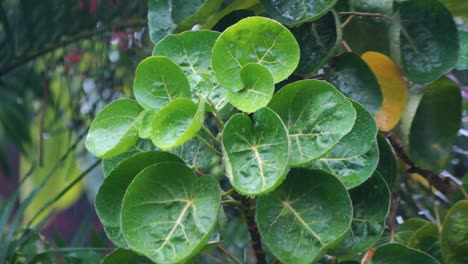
(249, 212)
(364, 14)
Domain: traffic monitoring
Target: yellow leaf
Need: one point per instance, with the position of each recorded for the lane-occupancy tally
(394, 89)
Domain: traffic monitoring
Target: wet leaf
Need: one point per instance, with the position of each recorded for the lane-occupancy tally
(191, 50)
(387, 166)
(405, 231)
(454, 235)
(258, 88)
(168, 213)
(109, 198)
(142, 145)
(176, 123)
(394, 89)
(303, 217)
(256, 153)
(254, 40)
(295, 12)
(426, 239)
(114, 129)
(353, 77)
(316, 115)
(158, 81)
(195, 154)
(399, 254)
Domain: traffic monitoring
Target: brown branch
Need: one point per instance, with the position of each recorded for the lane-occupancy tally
(438, 181)
(395, 201)
(249, 212)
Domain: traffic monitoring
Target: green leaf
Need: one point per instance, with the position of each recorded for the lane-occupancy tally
(426, 239)
(111, 193)
(258, 40)
(124, 256)
(355, 79)
(454, 235)
(195, 154)
(354, 158)
(191, 50)
(463, 57)
(399, 254)
(303, 217)
(317, 41)
(430, 126)
(360, 28)
(166, 17)
(295, 12)
(258, 88)
(371, 202)
(142, 145)
(114, 129)
(426, 41)
(317, 117)
(146, 117)
(168, 213)
(406, 230)
(387, 166)
(372, 6)
(256, 152)
(177, 122)
(159, 81)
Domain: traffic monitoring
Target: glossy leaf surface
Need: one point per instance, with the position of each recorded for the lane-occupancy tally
(317, 41)
(304, 216)
(145, 123)
(387, 166)
(114, 129)
(394, 89)
(399, 254)
(168, 213)
(355, 79)
(109, 198)
(406, 230)
(463, 57)
(142, 145)
(426, 239)
(125, 256)
(258, 89)
(316, 115)
(454, 235)
(354, 158)
(371, 202)
(254, 40)
(426, 43)
(177, 122)
(295, 12)
(256, 153)
(158, 81)
(433, 124)
(195, 154)
(191, 50)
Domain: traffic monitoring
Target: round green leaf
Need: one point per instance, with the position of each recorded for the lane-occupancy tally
(301, 219)
(114, 130)
(426, 239)
(142, 145)
(168, 213)
(159, 81)
(256, 154)
(387, 166)
(406, 230)
(294, 12)
(124, 256)
(195, 154)
(399, 254)
(145, 125)
(354, 158)
(191, 50)
(317, 41)
(463, 58)
(355, 79)
(258, 88)
(430, 127)
(177, 122)
(317, 117)
(371, 203)
(258, 40)
(454, 235)
(110, 195)
(425, 39)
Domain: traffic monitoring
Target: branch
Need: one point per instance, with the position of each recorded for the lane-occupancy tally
(19, 61)
(249, 211)
(440, 182)
(364, 14)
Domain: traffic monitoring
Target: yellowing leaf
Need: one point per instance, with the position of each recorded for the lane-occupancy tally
(394, 89)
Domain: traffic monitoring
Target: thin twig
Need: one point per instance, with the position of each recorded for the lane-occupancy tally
(229, 254)
(440, 182)
(364, 14)
(345, 23)
(346, 46)
(395, 200)
(208, 132)
(208, 145)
